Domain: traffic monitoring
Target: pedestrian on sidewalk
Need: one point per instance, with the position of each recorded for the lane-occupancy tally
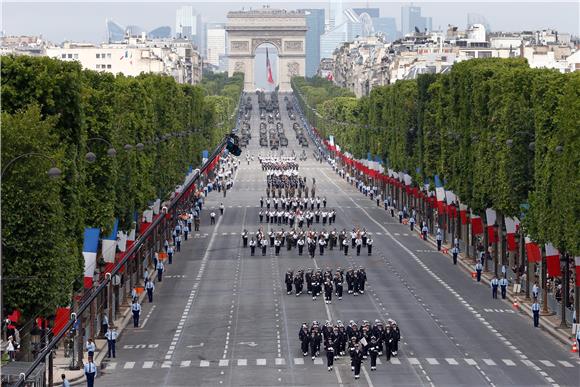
(535, 291)
(478, 269)
(221, 208)
(439, 237)
(65, 382)
(90, 369)
(111, 336)
(91, 347)
(424, 231)
(536, 312)
(494, 284)
(170, 254)
(136, 309)
(160, 268)
(150, 287)
(455, 253)
(503, 283)
(11, 348)
(212, 218)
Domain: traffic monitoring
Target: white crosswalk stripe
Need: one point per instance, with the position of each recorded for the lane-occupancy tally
(547, 363)
(565, 363)
(278, 361)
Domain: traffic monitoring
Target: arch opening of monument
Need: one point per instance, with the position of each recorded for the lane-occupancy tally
(250, 31)
(266, 52)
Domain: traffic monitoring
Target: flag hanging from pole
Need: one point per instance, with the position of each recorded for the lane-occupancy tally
(269, 69)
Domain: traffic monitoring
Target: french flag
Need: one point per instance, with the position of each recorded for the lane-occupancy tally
(552, 260)
(110, 244)
(476, 224)
(511, 227)
(577, 262)
(491, 217)
(533, 251)
(90, 247)
(463, 213)
(440, 192)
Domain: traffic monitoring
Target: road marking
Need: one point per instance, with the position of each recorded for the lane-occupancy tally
(413, 361)
(166, 364)
(298, 361)
(547, 363)
(129, 364)
(508, 362)
(111, 366)
(565, 363)
(185, 363)
(224, 362)
(489, 362)
(318, 361)
(280, 361)
(470, 361)
(395, 360)
(204, 363)
(148, 364)
(242, 362)
(451, 361)
(432, 361)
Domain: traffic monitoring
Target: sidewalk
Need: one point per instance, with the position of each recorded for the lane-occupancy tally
(77, 377)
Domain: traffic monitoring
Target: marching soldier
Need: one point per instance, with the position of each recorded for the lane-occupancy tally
(300, 245)
(345, 247)
(330, 353)
(370, 245)
(338, 285)
(252, 246)
(356, 360)
(277, 245)
(308, 279)
(298, 282)
(358, 242)
(321, 244)
(373, 351)
(328, 291)
(245, 238)
(315, 340)
(362, 278)
(289, 280)
(264, 244)
(388, 340)
(304, 337)
(261, 215)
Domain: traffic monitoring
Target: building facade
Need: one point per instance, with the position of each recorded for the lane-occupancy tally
(411, 18)
(216, 45)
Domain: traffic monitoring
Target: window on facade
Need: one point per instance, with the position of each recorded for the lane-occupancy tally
(109, 56)
(63, 56)
(108, 66)
(98, 66)
(70, 56)
(76, 56)
(98, 55)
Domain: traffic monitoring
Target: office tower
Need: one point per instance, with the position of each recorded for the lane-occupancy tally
(411, 20)
(315, 25)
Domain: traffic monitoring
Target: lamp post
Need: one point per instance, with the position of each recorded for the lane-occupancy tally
(566, 276)
(52, 173)
(91, 157)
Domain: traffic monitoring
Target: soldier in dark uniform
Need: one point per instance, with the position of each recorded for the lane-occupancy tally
(396, 338)
(289, 280)
(328, 291)
(373, 351)
(277, 245)
(345, 247)
(330, 353)
(388, 339)
(308, 279)
(298, 282)
(304, 336)
(350, 280)
(252, 246)
(264, 244)
(357, 358)
(338, 285)
(315, 341)
(352, 345)
(245, 238)
(362, 279)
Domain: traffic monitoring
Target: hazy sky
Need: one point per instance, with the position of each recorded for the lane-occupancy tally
(85, 21)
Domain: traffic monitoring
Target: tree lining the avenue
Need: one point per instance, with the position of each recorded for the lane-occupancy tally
(144, 133)
(500, 134)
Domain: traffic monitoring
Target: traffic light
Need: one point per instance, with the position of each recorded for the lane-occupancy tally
(232, 145)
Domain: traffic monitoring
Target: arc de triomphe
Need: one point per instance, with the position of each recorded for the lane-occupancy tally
(284, 29)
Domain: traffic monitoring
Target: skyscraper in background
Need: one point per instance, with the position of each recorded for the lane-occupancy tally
(373, 12)
(188, 24)
(387, 26)
(315, 25)
(115, 32)
(347, 31)
(411, 18)
(216, 45)
(335, 14)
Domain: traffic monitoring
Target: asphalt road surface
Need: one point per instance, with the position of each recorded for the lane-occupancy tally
(222, 317)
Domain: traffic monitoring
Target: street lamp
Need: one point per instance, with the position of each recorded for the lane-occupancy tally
(91, 157)
(52, 173)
